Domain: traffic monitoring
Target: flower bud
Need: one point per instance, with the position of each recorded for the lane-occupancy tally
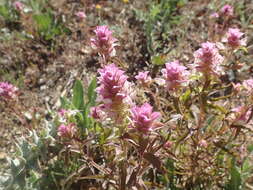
(80, 15)
(66, 131)
(18, 6)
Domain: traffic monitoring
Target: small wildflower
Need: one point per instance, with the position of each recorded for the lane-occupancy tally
(208, 59)
(144, 78)
(114, 90)
(66, 130)
(125, 1)
(168, 144)
(175, 74)
(7, 90)
(203, 143)
(227, 10)
(233, 38)
(214, 15)
(112, 84)
(104, 42)
(62, 112)
(97, 112)
(98, 6)
(237, 87)
(144, 119)
(248, 84)
(18, 6)
(80, 15)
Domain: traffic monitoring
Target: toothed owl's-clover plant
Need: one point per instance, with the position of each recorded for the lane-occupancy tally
(125, 131)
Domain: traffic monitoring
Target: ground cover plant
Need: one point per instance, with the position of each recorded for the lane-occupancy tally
(126, 95)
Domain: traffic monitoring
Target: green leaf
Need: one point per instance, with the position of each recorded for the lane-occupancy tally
(86, 118)
(91, 91)
(235, 178)
(158, 60)
(43, 22)
(246, 167)
(77, 99)
(4, 11)
(250, 148)
(243, 49)
(154, 11)
(217, 107)
(169, 179)
(64, 103)
(186, 95)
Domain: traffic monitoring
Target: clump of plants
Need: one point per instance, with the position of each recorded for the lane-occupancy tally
(35, 18)
(182, 129)
(11, 12)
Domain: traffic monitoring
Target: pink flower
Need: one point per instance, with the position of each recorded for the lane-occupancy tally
(18, 5)
(208, 59)
(66, 130)
(144, 78)
(248, 84)
(242, 115)
(114, 88)
(104, 42)
(62, 112)
(175, 74)
(8, 90)
(203, 143)
(144, 119)
(227, 10)
(168, 144)
(233, 38)
(237, 87)
(214, 15)
(80, 15)
(98, 112)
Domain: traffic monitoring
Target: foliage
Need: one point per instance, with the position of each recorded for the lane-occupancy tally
(45, 26)
(48, 27)
(8, 13)
(158, 20)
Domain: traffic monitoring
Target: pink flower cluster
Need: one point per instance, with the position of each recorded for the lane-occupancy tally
(227, 10)
(144, 78)
(7, 90)
(233, 38)
(18, 6)
(175, 74)
(248, 84)
(80, 15)
(208, 59)
(66, 131)
(104, 42)
(144, 119)
(114, 87)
